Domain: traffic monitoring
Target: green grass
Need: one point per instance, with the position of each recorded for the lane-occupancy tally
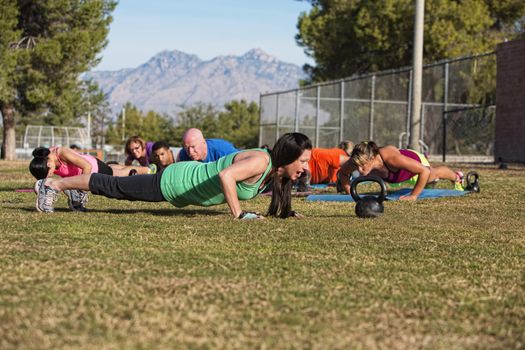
(442, 273)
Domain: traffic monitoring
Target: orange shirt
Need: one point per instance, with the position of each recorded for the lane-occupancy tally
(324, 164)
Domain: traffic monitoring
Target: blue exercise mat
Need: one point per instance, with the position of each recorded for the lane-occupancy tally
(427, 193)
(322, 185)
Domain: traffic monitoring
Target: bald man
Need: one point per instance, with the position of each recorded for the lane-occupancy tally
(195, 147)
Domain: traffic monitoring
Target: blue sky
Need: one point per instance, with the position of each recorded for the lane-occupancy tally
(207, 28)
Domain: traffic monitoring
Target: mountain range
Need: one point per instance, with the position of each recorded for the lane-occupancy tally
(172, 80)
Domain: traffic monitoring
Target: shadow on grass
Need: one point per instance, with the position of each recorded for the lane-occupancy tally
(157, 212)
(168, 212)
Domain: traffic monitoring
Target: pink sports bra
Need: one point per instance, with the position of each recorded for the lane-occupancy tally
(67, 170)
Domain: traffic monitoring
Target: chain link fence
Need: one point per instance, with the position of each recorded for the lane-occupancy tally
(47, 136)
(458, 100)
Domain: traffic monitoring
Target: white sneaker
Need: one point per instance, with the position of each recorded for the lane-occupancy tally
(76, 199)
(45, 197)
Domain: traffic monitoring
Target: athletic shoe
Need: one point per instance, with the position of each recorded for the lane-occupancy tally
(458, 184)
(76, 199)
(45, 197)
(152, 169)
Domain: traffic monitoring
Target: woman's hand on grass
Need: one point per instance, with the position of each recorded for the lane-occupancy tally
(410, 197)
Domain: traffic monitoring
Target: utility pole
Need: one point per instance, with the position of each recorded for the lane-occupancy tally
(123, 123)
(102, 132)
(89, 128)
(417, 75)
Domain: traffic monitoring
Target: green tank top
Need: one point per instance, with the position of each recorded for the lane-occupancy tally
(196, 183)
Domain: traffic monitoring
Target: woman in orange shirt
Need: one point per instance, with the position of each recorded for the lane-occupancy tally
(322, 167)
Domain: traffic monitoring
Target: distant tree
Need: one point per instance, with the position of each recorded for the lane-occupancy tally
(8, 59)
(353, 37)
(128, 123)
(131, 121)
(200, 116)
(240, 123)
(44, 47)
(237, 123)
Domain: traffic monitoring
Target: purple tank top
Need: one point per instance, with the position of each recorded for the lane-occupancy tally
(402, 175)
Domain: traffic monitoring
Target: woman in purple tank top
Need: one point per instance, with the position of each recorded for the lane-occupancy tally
(138, 149)
(394, 166)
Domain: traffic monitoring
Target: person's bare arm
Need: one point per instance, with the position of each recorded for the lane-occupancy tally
(252, 166)
(342, 160)
(74, 158)
(344, 173)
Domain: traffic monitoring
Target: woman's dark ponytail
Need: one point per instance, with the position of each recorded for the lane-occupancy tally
(287, 149)
(38, 166)
(281, 203)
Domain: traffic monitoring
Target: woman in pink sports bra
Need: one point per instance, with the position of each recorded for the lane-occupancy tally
(65, 162)
(394, 166)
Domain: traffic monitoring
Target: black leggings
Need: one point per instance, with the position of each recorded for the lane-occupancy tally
(103, 168)
(144, 188)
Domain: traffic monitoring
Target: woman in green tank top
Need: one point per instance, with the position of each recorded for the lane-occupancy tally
(238, 176)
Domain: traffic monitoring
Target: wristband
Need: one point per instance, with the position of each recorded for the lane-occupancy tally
(247, 216)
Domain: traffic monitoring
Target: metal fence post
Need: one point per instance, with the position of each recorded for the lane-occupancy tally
(422, 126)
(409, 106)
(371, 113)
(67, 138)
(318, 107)
(445, 107)
(444, 136)
(260, 117)
(277, 118)
(39, 135)
(26, 142)
(297, 104)
(342, 111)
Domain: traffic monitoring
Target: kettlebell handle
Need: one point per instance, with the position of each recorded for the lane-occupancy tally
(472, 174)
(370, 178)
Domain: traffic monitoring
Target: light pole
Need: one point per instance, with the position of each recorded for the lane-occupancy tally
(103, 140)
(89, 127)
(123, 123)
(417, 75)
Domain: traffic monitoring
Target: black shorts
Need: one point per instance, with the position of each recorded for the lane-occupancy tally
(132, 188)
(103, 168)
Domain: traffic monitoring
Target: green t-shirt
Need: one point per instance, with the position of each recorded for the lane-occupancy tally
(196, 183)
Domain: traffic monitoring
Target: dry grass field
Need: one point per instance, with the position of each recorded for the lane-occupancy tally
(440, 273)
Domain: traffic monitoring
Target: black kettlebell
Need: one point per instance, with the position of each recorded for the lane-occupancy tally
(472, 178)
(368, 206)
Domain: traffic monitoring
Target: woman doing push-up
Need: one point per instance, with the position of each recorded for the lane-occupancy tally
(66, 162)
(238, 176)
(394, 166)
